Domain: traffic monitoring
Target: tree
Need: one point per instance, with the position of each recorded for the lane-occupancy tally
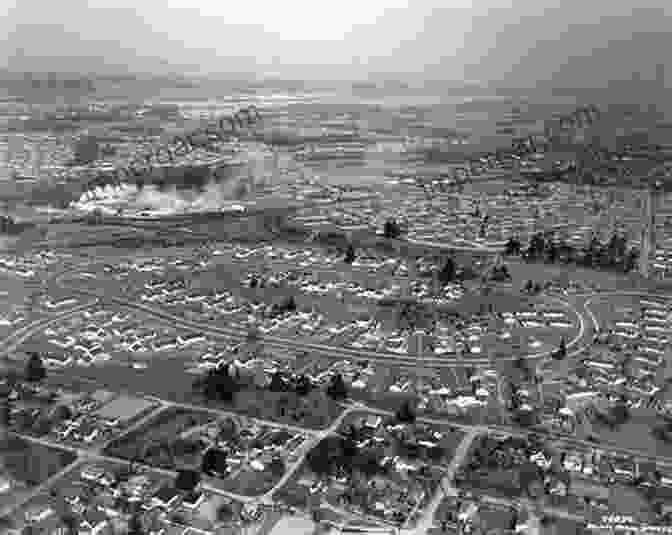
(290, 305)
(349, 255)
(35, 370)
(406, 414)
(337, 389)
(448, 272)
(214, 462)
(277, 383)
(303, 385)
(323, 458)
(5, 415)
(391, 229)
(537, 245)
(187, 480)
(135, 526)
(276, 467)
(349, 451)
(631, 260)
(6, 524)
(620, 413)
(616, 247)
(225, 512)
(218, 385)
(562, 348)
(551, 252)
(521, 364)
(70, 522)
(60, 413)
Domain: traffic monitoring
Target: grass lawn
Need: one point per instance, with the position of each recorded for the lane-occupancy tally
(32, 463)
(247, 482)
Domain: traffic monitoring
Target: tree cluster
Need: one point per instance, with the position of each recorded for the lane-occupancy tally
(448, 272)
(214, 462)
(340, 454)
(349, 255)
(220, 384)
(391, 229)
(614, 255)
(35, 370)
(288, 304)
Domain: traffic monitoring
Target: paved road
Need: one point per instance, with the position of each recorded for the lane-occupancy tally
(446, 488)
(7, 510)
(333, 351)
(563, 441)
(306, 447)
(586, 333)
(86, 455)
(142, 421)
(579, 303)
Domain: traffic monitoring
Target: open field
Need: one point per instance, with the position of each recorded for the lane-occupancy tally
(26, 465)
(32, 463)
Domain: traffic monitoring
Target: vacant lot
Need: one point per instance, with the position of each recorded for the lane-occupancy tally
(146, 443)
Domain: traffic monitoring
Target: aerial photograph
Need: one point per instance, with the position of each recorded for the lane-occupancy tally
(310, 268)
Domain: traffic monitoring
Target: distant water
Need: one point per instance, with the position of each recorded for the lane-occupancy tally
(472, 116)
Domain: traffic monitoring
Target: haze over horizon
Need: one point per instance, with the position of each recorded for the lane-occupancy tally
(523, 43)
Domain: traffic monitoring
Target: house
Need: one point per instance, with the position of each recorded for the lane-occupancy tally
(164, 343)
(193, 500)
(137, 484)
(55, 359)
(71, 494)
(92, 472)
(190, 338)
(93, 522)
(90, 435)
(372, 421)
(558, 484)
(107, 503)
(38, 513)
(166, 497)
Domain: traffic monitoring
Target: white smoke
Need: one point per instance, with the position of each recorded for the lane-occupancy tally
(214, 195)
(166, 201)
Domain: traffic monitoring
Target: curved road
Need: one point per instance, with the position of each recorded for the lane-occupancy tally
(426, 519)
(580, 342)
(580, 304)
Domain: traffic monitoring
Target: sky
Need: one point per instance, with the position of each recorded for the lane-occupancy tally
(523, 41)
